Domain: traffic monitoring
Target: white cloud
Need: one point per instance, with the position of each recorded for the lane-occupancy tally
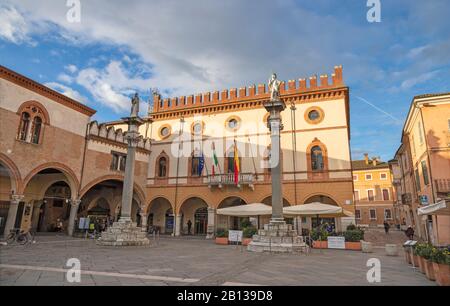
(71, 68)
(13, 27)
(67, 91)
(65, 78)
(411, 82)
(112, 85)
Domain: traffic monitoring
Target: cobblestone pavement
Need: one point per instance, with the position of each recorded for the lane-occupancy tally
(187, 262)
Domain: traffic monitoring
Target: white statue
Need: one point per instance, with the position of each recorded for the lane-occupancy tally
(274, 87)
(135, 106)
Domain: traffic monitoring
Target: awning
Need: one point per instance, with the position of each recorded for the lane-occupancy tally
(314, 209)
(249, 210)
(440, 208)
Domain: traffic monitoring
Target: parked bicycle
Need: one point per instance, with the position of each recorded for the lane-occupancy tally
(21, 237)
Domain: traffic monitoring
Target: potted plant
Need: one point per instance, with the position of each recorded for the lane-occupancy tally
(353, 239)
(441, 265)
(222, 236)
(428, 265)
(319, 237)
(418, 254)
(248, 234)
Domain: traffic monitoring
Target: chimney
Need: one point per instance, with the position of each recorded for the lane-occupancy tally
(374, 161)
(366, 158)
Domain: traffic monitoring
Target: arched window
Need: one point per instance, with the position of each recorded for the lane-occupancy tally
(33, 118)
(36, 130)
(317, 163)
(24, 125)
(162, 167)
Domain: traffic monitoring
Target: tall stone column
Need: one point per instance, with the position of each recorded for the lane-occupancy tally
(178, 225)
(211, 230)
(275, 107)
(125, 232)
(12, 213)
(132, 138)
(74, 205)
(144, 219)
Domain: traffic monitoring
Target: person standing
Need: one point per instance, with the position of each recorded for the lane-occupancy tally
(189, 224)
(410, 233)
(386, 227)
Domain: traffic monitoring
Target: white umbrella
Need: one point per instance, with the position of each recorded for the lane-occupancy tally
(316, 209)
(249, 210)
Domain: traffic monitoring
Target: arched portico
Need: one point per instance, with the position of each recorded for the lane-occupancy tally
(193, 217)
(227, 222)
(160, 216)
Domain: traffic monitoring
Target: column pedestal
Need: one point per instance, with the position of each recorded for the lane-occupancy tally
(12, 213)
(277, 237)
(211, 223)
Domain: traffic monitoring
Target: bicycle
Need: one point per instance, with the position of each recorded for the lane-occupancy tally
(21, 237)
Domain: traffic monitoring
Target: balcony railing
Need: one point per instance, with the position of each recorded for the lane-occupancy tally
(442, 185)
(220, 180)
(406, 199)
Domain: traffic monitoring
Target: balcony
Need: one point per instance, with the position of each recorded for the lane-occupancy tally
(406, 199)
(442, 185)
(220, 180)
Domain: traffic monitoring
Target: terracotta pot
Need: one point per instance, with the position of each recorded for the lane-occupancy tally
(320, 244)
(354, 246)
(222, 240)
(421, 264)
(442, 274)
(429, 270)
(246, 241)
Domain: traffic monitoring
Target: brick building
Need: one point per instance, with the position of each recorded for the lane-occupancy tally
(58, 164)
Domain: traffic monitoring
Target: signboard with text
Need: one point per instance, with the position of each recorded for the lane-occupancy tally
(235, 236)
(336, 243)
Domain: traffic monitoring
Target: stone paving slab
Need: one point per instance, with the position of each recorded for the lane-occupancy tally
(171, 261)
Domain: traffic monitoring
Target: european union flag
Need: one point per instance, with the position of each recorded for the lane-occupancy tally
(201, 164)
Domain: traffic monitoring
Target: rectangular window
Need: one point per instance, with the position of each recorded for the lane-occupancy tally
(357, 214)
(417, 180)
(355, 178)
(385, 194)
(388, 214)
(368, 177)
(118, 162)
(383, 176)
(426, 179)
(419, 130)
(370, 195)
(373, 214)
(356, 195)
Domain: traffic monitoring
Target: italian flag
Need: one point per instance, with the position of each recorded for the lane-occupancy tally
(216, 160)
(236, 164)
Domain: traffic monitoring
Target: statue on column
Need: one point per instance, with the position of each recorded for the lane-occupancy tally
(274, 87)
(135, 106)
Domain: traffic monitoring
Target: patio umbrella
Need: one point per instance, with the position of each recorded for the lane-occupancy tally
(316, 210)
(249, 210)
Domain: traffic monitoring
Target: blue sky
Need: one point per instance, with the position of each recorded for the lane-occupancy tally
(186, 47)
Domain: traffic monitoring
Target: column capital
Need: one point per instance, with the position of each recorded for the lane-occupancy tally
(16, 199)
(75, 202)
(211, 209)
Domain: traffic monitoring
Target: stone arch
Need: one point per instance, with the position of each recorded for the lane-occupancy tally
(320, 194)
(14, 173)
(183, 201)
(157, 215)
(188, 212)
(139, 192)
(149, 203)
(265, 200)
(31, 103)
(69, 173)
(232, 195)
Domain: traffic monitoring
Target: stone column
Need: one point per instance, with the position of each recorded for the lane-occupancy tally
(74, 205)
(144, 219)
(178, 225)
(132, 138)
(275, 107)
(211, 231)
(12, 213)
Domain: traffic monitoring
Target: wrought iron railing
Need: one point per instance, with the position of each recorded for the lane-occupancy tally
(229, 179)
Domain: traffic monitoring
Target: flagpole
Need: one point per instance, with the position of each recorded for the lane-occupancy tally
(253, 158)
